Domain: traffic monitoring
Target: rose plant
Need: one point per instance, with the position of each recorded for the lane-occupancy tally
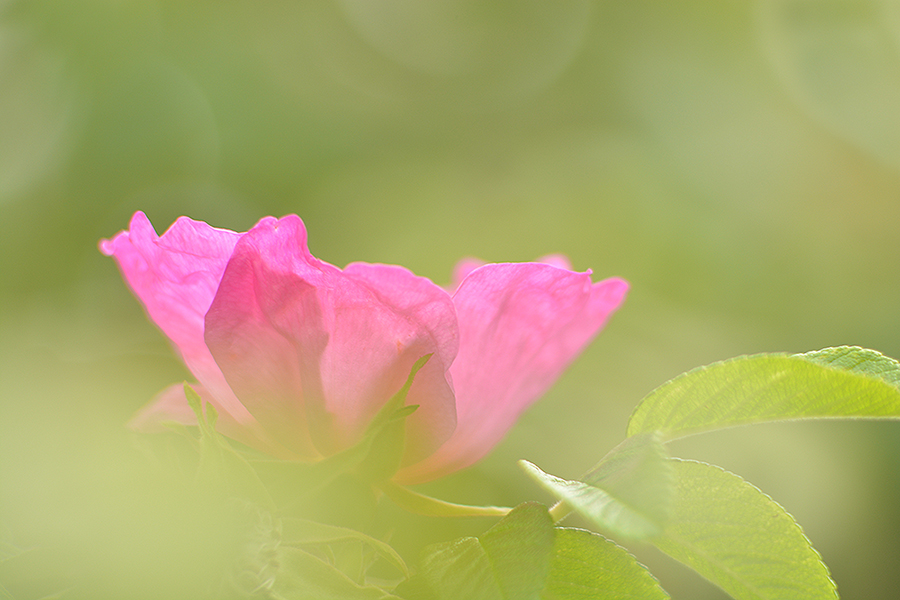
(297, 356)
(314, 364)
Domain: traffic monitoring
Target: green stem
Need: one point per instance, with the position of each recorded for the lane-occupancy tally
(421, 504)
(559, 511)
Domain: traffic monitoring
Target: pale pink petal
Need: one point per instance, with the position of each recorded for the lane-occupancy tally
(560, 261)
(520, 326)
(462, 270)
(175, 277)
(420, 301)
(262, 365)
(170, 405)
(298, 356)
(467, 265)
(308, 346)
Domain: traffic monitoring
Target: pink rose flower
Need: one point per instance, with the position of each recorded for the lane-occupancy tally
(297, 355)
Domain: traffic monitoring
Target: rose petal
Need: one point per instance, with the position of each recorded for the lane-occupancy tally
(560, 261)
(261, 365)
(175, 277)
(467, 265)
(420, 301)
(462, 270)
(307, 346)
(520, 326)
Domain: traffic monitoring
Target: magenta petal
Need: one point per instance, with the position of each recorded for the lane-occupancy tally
(266, 332)
(175, 277)
(462, 270)
(560, 261)
(422, 320)
(520, 326)
(314, 352)
(465, 266)
(298, 356)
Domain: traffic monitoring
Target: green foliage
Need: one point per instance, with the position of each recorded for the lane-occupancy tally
(586, 566)
(303, 576)
(524, 557)
(509, 561)
(740, 539)
(713, 521)
(837, 382)
(724, 528)
(628, 494)
(304, 533)
(221, 467)
(386, 434)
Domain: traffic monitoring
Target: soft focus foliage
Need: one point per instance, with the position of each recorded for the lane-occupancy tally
(735, 161)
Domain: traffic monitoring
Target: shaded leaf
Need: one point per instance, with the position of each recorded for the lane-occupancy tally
(301, 532)
(518, 548)
(740, 539)
(639, 475)
(510, 561)
(586, 566)
(302, 576)
(627, 494)
(220, 464)
(460, 569)
(524, 558)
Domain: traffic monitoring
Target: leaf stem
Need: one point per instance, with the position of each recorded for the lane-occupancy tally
(559, 511)
(421, 504)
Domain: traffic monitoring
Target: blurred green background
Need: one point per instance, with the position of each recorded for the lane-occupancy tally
(737, 162)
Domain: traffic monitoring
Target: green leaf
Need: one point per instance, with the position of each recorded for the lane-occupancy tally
(858, 360)
(511, 561)
(292, 559)
(639, 475)
(460, 569)
(301, 532)
(220, 464)
(740, 539)
(586, 566)
(835, 382)
(628, 494)
(389, 411)
(518, 548)
(524, 558)
(387, 432)
(302, 576)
